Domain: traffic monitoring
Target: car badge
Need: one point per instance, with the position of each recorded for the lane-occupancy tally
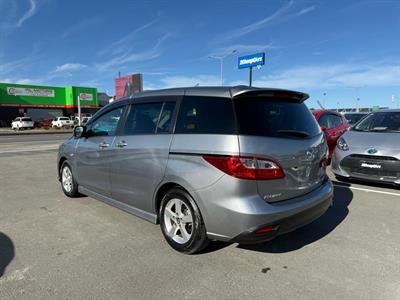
(372, 151)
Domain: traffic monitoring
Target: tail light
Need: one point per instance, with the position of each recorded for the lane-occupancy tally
(246, 167)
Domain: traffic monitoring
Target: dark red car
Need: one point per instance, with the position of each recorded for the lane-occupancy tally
(333, 124)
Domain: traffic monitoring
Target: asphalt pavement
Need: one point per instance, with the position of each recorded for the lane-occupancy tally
(53, 247)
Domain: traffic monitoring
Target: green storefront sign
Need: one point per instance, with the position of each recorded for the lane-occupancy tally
(22, 95)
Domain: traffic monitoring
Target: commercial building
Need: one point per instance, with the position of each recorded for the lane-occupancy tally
(37, 101)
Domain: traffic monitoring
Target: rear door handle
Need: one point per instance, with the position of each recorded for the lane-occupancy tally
(121, 144)
(103, 145)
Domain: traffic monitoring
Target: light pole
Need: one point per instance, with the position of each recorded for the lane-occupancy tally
(357, 107)
(79, 111)
(221, 59)
(395, 102)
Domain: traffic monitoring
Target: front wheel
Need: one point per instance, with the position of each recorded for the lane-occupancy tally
(68, 183)
(181, 222)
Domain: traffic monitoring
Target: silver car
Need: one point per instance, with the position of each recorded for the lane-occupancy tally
(370, 151)
(233, 164)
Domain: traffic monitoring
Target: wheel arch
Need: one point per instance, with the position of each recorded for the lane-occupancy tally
(160, 193)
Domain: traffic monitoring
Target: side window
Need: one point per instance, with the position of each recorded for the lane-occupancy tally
(106, 124)
(164, 124)
(324, 121)
(337, 120)
(143, 118)
(205, 115)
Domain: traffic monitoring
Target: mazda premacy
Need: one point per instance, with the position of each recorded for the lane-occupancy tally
(237, 164)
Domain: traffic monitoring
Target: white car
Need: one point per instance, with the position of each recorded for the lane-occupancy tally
(22, 123)
(60, 122)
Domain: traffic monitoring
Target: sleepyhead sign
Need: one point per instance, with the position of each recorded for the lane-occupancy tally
(252, 60)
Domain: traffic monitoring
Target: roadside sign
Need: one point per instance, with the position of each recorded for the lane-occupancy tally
(252, 60)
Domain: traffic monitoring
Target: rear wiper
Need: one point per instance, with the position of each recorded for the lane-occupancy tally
(297, 133)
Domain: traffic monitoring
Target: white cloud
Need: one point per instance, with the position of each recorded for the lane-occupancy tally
(333, 76)
(31, 12)
(125, 42)
(26, 81)
(69, 67)
(241, 31)
(129, 57)
(242, 48)
(81, 26)
(306, 10)
(184, 81)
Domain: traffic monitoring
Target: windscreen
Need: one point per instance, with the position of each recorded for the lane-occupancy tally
(380, 122)
(274, 118)
(354, 118)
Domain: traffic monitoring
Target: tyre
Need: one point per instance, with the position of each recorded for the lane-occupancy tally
(181, 222)
(68, 183)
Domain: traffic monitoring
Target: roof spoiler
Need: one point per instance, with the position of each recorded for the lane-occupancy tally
(288, 95)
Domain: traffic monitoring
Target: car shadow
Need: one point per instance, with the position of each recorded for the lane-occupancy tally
(312, 232)
(348, 182)
(7, 252)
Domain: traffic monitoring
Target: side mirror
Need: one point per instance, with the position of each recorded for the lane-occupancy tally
(323, 128)
(79, 131)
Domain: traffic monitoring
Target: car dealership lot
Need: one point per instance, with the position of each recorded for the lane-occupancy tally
(55, 247)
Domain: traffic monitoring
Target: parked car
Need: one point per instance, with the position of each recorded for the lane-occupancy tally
(333, 124)
(353, 117)
(236, 164)
(85, 119)
(21, 123)
(44, 123)
(60, 122)
(370, 151)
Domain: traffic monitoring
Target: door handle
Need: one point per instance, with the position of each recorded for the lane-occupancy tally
(121, 144)
(103, 145)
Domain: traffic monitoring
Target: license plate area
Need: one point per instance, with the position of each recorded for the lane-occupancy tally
(371, 165)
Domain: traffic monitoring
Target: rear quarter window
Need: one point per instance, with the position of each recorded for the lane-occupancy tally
(206, 115)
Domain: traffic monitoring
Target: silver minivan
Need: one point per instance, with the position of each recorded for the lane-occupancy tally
(237, 164)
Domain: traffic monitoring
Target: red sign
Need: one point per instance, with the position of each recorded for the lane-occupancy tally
(136, 83)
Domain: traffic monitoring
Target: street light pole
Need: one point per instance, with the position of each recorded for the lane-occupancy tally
(221, 60)
(79, 110)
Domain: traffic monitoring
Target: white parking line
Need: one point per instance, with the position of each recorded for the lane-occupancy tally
(29, 149)
(366, 190)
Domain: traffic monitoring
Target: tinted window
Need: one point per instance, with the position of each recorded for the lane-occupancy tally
(211, 115)
(165, 122)
(325, 121)
(354, 118)
(337, 120)
(266, 117)
(142, 118)
(106, 124)
(26, 119)
(380, 122)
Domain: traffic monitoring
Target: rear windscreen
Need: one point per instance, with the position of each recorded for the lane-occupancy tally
(268, 117)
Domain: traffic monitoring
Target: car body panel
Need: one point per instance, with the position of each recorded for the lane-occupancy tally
(92, 163)
(299, 158)
(138, 168)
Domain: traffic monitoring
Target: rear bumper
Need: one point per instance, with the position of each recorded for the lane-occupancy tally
(236, 219)
(285, 225)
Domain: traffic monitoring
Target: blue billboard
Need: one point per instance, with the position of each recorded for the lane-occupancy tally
(251, 60)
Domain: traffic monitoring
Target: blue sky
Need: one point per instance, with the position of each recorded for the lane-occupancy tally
(337, 51)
